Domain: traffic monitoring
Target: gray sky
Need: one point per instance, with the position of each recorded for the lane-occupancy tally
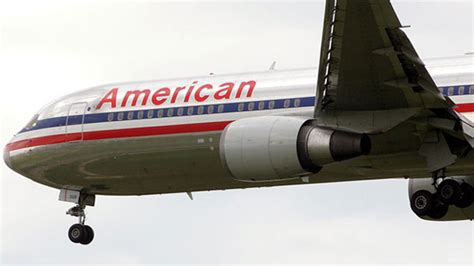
(49, 49)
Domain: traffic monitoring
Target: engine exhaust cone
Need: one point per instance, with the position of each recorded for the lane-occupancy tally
(318, 146)
(346, 145)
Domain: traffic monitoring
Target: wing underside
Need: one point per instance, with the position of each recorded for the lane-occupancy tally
(368, 63)
(371, 79)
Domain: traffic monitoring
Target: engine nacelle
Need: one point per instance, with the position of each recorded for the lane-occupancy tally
(272, 148)
(448, 212)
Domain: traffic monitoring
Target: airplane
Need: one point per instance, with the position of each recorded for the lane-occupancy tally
(372, 110)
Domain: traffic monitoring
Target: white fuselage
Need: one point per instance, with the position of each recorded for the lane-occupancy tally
(163, 136)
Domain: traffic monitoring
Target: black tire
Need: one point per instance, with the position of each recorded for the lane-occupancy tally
(77, 233)
(422, 202)
(450, 191)
(89, 235)
(467, 196)
(440, 209)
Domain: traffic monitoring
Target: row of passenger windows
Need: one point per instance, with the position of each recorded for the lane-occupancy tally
(461, 90)
(199, 110)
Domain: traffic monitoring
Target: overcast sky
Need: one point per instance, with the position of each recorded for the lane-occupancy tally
(50, 49)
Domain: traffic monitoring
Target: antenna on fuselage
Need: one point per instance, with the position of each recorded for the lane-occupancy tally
(272, 66)
(190, 195)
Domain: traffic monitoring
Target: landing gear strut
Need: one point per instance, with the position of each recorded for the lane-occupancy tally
(79, 232)
(448, 192)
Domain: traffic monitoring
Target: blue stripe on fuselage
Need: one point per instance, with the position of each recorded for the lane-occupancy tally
(174, 112)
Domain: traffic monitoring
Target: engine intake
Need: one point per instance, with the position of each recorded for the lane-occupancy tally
(272, 148)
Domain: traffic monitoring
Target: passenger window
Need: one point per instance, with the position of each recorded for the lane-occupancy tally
(261, 105)
(220, 108)
(120, 116)
(130, 116)
(149, 114)
(160, 113)
(170, 112)
(450, 91)
(251, 106)
(190, 110)
(110, 117)
(286, 103)
(180, 111)
(200, 110)
(140, 115)
(297, 103)
(240, 108)
(461, 90)
(271, 104)
(210, 109)
(471, 90)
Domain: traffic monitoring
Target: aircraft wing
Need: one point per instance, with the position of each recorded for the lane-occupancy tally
(369, 68)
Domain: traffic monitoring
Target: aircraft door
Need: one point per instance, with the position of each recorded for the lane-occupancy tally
(75, 122)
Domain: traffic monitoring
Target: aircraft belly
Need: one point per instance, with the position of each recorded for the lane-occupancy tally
(187, 162)
(144, 165)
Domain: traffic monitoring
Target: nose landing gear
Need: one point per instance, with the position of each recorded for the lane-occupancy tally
(79, 232)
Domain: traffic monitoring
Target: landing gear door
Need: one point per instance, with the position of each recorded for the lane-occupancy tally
(75, 122)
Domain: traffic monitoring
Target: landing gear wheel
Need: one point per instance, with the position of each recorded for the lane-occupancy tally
(422, 203)
(439, 210)
(467, 196)
(77, 233)
(450, 191)
(89, 235)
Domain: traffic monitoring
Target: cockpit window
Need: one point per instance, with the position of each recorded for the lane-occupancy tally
(32, 122)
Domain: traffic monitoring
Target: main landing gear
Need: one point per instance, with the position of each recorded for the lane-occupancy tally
(448, 192)
(79, 232)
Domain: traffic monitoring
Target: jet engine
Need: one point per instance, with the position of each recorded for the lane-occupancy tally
(450, 200)
(272, 148)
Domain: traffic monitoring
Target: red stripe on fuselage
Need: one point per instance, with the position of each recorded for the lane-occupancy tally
(464, 107)
(118, 133)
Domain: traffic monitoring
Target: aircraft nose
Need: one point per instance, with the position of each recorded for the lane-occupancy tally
(6, 157)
